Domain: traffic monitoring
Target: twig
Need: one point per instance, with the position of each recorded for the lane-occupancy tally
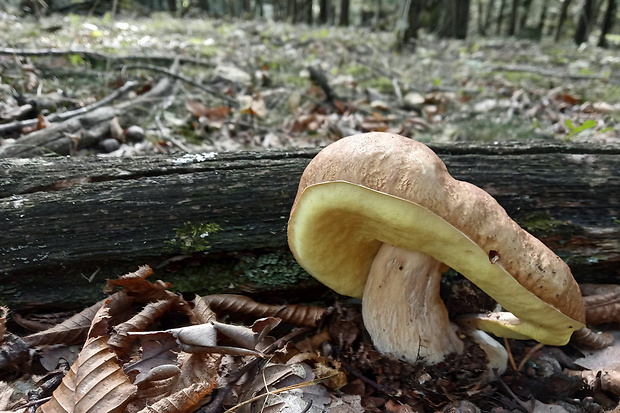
(221, 395)
(282, 390)
(59, 117)
(510, 357)
(529, 354)
(175, 75)
(553, 73)
(103, 56)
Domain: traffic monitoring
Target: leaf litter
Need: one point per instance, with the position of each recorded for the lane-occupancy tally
(259, 85)
(146, 349)
(305, 93)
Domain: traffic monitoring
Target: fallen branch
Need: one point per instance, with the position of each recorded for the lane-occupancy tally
(229, 100)
(553, 73)
(93, 55)
(62, 116)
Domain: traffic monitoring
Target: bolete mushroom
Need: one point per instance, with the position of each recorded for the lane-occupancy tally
(378, 216)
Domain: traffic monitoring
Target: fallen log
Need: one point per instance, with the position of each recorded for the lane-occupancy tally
(67, 218)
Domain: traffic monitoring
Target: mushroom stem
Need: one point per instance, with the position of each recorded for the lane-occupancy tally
(402, 309)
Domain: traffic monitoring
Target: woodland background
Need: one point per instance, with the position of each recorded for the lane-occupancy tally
(119, 120)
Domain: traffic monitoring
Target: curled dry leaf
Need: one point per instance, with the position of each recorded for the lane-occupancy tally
(95, 381)
(602, 302)
(307, 316)
(120, 340)
(136, 285)
(74, 329)
(116, 131)
(201, 312)
(599, 379)
(156, 352)
(4, 313)
(183, 400)
(593, 339)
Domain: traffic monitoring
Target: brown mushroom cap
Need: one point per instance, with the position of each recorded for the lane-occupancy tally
(377, 188)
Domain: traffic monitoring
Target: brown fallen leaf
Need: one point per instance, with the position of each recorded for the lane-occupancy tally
(119, 338)
(599, 379)
(95, 381)
(116, 131)
(74, 329)
(602, 302)
(303, 315)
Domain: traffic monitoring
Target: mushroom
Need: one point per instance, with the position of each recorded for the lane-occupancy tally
(378, 216)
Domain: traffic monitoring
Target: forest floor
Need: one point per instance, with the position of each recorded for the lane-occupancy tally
(266, 85)
(253, 85)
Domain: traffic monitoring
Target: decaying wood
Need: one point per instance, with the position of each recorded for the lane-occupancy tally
(85, 127)
(62, 213)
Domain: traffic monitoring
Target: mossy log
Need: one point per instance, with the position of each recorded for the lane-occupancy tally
(69, 223)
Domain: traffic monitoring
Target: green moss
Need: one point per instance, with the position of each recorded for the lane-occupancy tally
(526, 79)
(382, 84)
(356, 70)
(544, 224)
(194, 237)
(272, 269)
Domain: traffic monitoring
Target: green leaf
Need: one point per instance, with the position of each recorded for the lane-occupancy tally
(588, 124)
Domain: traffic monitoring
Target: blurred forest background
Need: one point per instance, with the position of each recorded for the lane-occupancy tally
(530, 19)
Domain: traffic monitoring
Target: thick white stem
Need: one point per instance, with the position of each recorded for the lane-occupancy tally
(402, 309)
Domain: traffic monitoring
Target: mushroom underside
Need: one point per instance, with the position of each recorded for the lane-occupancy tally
(326, 223)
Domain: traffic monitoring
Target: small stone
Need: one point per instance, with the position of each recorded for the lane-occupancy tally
(109, 145)
(135, 134)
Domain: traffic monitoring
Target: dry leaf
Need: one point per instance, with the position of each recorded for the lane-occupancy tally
(156, 352)
(116, 131)
(183, 400)
(602, 302)
(602, 359)
(120, 340)
(196, 108)
(74, 329)
(593, 339)
(4, 312)
(307, 316)
(95, 381)
(249, 105)
(599, 379)
(136, 285)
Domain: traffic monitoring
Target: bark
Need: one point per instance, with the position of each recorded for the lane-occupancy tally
(561, 19)
(608, 21)
(323, 11)
(489, 14)
(500, 16)
(66, 219)
(344, 13)
(512, 26)
(585, 22)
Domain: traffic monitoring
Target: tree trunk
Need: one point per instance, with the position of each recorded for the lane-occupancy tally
(585, 22)
(543, 17)
(344, 13)
(500, 16)
(512, 26)
(67, 220)
(561, 19)
(489, 15)
(480, 19)
(323, 11)
(608, 22)
(455, 19)
(525, 11)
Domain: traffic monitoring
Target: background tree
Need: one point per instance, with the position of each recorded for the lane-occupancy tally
(608, 22)
(344, 13)
(584, 25)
